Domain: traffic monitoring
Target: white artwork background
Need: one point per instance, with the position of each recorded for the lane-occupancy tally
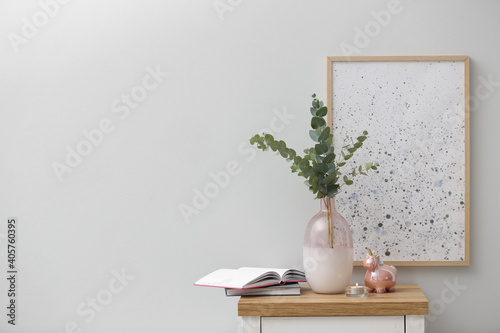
(413, 207)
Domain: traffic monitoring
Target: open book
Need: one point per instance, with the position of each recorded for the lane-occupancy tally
(250, 277)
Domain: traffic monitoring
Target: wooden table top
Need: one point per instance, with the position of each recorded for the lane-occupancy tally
(408, 299)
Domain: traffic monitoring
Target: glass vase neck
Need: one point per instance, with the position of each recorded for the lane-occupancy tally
(329, 201)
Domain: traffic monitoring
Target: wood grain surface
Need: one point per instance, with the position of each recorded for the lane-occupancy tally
(407, 300)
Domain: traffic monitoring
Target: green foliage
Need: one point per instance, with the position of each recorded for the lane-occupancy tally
(318, 166)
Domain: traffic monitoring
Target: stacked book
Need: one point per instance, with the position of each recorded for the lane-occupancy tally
(254, 281)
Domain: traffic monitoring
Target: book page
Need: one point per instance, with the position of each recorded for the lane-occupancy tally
(285, 275)
(279, 271)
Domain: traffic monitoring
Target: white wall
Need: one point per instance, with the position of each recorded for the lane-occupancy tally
(118, 209)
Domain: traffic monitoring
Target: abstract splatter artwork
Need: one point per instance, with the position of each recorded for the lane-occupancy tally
(414, 209)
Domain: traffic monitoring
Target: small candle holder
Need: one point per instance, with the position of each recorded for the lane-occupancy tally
(356, 291)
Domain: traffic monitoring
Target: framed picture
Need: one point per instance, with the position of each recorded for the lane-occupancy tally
(413, 210)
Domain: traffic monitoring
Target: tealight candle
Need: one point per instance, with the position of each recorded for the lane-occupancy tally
(356, 291)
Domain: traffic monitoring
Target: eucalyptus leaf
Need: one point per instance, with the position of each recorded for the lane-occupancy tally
(331, 168)
(322, 188)
(320, 167)
(321, 148)
(317, 122)
(328, 158)
(306, 172)
(313, 181)
(322, 111)
(269, 138)
(329, 140)
(324, 134)
(332, 190)
(314, 135)
(329, 179)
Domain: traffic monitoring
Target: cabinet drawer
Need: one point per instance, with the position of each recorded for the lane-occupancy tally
(391, 324)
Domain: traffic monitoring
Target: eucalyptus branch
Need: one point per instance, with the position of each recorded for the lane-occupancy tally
(317, 165)
(358, 171)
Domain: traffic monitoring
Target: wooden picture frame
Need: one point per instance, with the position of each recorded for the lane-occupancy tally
(415, 209)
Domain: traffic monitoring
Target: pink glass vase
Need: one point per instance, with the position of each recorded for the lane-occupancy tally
(328, 253)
